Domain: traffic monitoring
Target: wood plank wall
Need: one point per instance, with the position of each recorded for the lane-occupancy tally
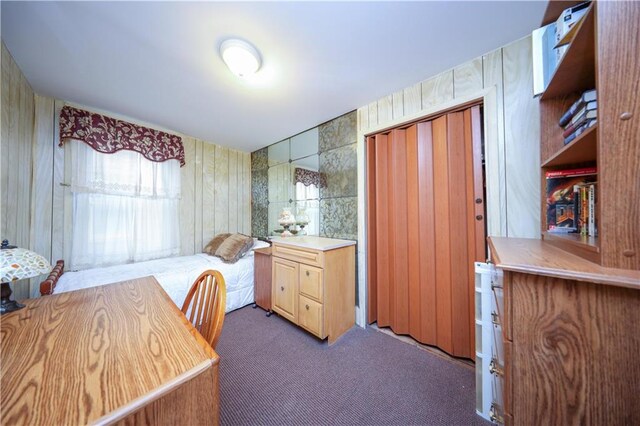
(34, 209)
(509, 70)
(16, 152)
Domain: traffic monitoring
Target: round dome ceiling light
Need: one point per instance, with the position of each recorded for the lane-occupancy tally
(241, 57)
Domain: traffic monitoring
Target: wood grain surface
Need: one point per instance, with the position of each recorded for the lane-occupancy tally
(618, 84)
(16, 167)
(262, 277)
(426, 178)
(575, 352)
(72, 358)
(539, 257)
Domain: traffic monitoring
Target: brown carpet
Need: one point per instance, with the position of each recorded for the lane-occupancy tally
(274, 373)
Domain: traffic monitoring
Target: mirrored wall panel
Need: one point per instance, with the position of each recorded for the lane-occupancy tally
(279, 153)
(314, 174)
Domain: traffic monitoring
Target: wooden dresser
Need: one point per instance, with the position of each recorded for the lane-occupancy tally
(571, 337)
(262, 278)
(313, 284)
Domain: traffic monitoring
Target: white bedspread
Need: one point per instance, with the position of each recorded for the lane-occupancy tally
(175, 275)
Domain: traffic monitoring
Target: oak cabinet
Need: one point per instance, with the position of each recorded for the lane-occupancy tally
(285, 290)
(262, 278)
(569, 344)
(313, 284)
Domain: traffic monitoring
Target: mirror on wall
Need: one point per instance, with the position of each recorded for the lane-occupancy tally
(305, 144)
(294, 182)
(278, 153)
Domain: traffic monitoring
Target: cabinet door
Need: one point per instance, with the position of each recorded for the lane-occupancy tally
(285, 288)
(311, 282)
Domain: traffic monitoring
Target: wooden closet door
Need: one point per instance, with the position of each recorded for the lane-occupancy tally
(381, 205)
(426, 229)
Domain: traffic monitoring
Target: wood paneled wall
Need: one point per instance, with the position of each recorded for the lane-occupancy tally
(17, 154)
(35, 209)
(517, 142)
(511, 133)
(215, 188)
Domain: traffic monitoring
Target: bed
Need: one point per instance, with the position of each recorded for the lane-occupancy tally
(175, 275)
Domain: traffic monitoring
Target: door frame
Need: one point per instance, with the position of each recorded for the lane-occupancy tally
(494, 178)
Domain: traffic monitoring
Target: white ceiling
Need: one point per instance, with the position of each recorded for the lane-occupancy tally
(158, 62)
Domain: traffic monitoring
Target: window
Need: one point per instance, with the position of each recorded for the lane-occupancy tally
(125, 207)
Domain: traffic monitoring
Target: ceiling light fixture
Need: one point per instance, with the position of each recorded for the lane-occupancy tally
(241, 57)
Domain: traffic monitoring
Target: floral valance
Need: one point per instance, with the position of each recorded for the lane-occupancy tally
(309, 177)
(109, 135)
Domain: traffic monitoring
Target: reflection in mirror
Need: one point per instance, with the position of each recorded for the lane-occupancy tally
(274, 211)
(308, 217)
(279, 153)
(304, 144)
(280, 183)
(306, 178)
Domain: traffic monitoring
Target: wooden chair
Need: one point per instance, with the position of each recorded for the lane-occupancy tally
(205, 305)
(47, 286)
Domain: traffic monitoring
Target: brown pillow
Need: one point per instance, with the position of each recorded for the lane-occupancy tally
(234, 247)
(214, 244)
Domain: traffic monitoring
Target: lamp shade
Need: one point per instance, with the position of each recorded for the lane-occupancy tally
(18, 263)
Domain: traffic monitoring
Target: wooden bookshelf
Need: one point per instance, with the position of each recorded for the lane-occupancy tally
(582, 149)
(576, 71)
(582, 245)
(603, 56)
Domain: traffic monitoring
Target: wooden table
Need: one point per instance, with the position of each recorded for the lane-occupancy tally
(119, 353)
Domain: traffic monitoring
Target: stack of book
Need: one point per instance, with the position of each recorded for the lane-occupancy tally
(571, 201)
(582, 115)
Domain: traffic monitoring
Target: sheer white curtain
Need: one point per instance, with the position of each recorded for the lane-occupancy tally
(125, 207)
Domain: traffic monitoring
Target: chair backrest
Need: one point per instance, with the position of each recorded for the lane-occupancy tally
(47, 286)
(205, 305)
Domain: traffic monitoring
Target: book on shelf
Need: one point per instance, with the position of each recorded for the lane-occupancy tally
(544, 55)
(587, 110)
(580, 130)
(584, 201)
(563, 214)
(568, 21)
(586, 98)
(592, 211)
(571, 127)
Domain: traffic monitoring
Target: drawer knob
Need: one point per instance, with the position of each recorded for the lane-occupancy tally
(479, 217)
(625, 116)
(282, 288)
(307, 307)
(307, 273)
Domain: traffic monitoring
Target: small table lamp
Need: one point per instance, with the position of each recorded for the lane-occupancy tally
(17, 264)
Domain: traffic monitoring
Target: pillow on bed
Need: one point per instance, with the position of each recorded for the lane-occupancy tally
(234, 247)
(215, 243)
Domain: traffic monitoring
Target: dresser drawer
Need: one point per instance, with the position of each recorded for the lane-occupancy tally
(311, 282)
(297, 254)
(310, 316)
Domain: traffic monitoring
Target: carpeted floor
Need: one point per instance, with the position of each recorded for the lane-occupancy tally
(274, 373)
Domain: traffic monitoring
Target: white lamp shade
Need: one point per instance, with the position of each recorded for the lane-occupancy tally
(241, 57)
(17, 264)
